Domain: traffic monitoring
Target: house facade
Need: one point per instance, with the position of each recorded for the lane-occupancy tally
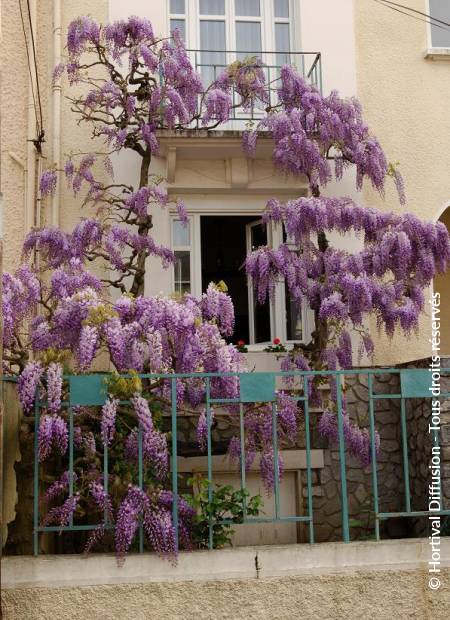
(375, 54)
(399, 69)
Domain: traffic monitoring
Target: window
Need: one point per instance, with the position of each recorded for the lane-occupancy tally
(178, 17)
(220, 28)
(440, 9)
(181, 244)
(282, 32)
(248, 28)
(213, 248)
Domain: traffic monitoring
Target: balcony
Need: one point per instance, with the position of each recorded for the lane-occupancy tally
(210, 63)
(190, 151)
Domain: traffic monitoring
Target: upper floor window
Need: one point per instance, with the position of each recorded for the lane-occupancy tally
(440, 9)
(178, 16)
(228, 29)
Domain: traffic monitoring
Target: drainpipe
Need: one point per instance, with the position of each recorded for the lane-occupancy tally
(56, 107)
(32, 155)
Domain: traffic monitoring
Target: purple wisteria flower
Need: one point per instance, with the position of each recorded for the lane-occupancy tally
(154, 443)
(357, 440)
(108, 424)
(48, 182)
(61, 515)
(59, 486)
(54, 387)
(202, 428)
(53, 433)
(28, 383)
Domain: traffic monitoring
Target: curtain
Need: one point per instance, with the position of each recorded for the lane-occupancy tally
(248, 38)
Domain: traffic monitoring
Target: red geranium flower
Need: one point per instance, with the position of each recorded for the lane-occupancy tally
(276, 341)
(241, 343)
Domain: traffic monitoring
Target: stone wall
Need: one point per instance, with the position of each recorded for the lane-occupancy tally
(327, 506)
(418, 412)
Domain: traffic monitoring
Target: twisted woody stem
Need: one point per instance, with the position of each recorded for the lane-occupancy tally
(145, 223)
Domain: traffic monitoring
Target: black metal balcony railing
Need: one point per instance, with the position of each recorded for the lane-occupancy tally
(210, 63)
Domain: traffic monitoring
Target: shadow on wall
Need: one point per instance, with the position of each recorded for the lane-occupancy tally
(442, 285)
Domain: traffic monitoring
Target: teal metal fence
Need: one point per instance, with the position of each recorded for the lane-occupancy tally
(255, 387)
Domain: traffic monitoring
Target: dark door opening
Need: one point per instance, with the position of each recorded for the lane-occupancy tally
(225, 241)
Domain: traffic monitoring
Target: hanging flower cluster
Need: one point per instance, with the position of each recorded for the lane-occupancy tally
(259, 436)
(309, 129)
(357, 440)
(399, 255)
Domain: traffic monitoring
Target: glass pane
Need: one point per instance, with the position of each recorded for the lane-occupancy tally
(259, 236)
(178, 24)
(261, 312)
(181, 233)
(248, 38)
(182, 266)
(182, 287)
(212, 37)
(262, 322)
(281, 8)
(247, 7)
(293, 319)
(440, 9)
(282, 44)
(177, 6)
(212, 7)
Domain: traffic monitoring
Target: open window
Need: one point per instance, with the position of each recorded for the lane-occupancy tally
(259, 314)
(212, 249)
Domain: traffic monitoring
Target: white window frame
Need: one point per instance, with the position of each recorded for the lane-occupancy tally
(184, 16)
(431, 47)
(267, 19)
(278, 323)
(182, 248)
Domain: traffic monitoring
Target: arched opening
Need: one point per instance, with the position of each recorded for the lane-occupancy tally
(442, 285)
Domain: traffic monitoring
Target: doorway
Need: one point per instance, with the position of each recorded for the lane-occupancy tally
(225, 242)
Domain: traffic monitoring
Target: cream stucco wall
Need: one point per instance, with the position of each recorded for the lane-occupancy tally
(406, 102)
(381, 596)
(329, 581)
(13, 117)
(15, 128)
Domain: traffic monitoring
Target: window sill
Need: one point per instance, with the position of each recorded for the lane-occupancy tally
(261, 348)
(437, 53)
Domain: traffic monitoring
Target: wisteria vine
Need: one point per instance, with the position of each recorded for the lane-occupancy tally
(60, 317)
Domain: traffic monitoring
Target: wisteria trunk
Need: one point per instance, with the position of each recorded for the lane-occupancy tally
(145, 224)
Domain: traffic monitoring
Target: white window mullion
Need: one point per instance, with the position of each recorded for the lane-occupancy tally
(278, 322)
(231, 31)
(268, 31)
(196, 256)
(182, 243)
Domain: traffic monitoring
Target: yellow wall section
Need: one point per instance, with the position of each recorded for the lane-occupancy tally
(406, 103)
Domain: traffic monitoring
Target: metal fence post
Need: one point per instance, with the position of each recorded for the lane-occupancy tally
(308, 458)
(373, 456)
(36, 477)
(209, 449)
(344, 496)
(174, 461)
